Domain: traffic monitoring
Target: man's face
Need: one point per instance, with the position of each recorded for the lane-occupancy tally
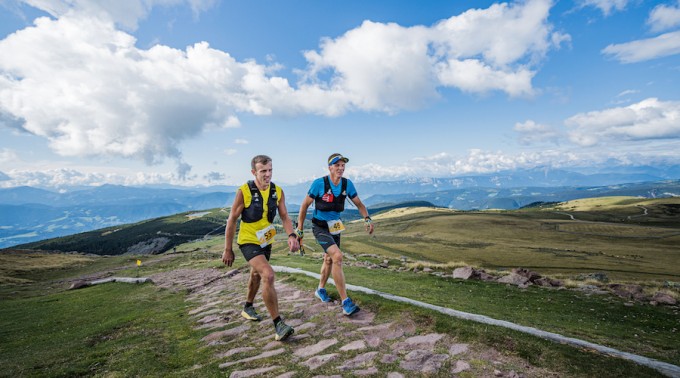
(337, 169)
(263, 173)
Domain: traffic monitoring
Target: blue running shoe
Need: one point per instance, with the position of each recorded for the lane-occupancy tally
(348, 307)
(322, 294)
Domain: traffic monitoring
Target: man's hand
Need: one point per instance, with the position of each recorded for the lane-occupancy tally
(369, 225)
(228, 257)
(293, 244)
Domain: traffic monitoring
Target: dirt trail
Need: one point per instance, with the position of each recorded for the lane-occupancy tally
(325, 342)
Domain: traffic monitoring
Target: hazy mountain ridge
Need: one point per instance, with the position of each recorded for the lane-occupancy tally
(514, 198)
(29, 214)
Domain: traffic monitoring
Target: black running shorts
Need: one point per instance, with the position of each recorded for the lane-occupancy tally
(251, 250)
(324, 237)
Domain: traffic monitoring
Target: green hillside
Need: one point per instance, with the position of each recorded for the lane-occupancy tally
(167, 232)
(615, 235)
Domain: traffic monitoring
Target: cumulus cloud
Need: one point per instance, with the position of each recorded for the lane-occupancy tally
(645, 49)
(646, 120)
(606, 6)
(241, 141)
(531, 133)
(81, 83)
(230, 151)
(664, 17)
(388, 67)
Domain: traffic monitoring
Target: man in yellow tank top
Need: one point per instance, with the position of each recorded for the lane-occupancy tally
(256, 203)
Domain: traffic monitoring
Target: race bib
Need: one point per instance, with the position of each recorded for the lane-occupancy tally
(266, 235)
(335, 226)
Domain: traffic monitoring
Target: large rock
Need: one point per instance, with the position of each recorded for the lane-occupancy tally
(529, 274)
(628, 291)
(663, 298)
(465, 272)
(514, 279)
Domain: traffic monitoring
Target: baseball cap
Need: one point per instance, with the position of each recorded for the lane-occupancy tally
(335, 158)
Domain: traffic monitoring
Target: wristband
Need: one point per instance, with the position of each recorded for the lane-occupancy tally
(367, 219)
(292, 235)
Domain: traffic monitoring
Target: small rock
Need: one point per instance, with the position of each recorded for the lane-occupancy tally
(460, 367)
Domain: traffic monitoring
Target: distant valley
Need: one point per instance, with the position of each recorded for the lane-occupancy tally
(30, 214)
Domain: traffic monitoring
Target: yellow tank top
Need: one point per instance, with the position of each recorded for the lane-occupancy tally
(248, 231)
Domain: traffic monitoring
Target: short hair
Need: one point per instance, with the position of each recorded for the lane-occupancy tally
(262, 159)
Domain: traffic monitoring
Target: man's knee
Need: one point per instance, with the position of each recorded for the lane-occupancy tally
(267, 276)
(335, 255)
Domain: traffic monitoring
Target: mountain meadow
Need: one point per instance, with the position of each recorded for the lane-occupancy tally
(604, 270)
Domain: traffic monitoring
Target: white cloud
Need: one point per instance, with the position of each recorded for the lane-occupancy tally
(627, 92)
(645, 49)
(606, 6)
(8, 156)
(645, 120)
(84, 86)
(67, 177)
(664, 17)
(484, 162)
(125, 13)
(531, 132)
(230, 151)
(388, 67)
(241, 141)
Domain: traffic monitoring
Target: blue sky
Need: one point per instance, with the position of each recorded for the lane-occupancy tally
(187, 92)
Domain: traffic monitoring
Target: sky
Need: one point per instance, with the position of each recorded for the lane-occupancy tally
(186, 92)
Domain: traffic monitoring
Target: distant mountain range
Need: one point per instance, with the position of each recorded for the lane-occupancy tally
(29, 214)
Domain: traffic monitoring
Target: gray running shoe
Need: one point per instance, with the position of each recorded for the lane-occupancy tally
(250, 314)
(283, 330)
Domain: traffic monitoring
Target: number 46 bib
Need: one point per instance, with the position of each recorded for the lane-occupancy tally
(335, 227)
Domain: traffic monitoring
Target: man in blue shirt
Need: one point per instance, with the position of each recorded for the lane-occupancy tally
(328, 194)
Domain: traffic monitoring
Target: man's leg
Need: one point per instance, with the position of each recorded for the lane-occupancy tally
(253, 285)
(325, 270)
(261, 266)
(336, 270)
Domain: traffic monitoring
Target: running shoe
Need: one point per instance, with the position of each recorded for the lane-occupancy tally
(322, 294)
(250, 314)
(348, 307)
(283, 330)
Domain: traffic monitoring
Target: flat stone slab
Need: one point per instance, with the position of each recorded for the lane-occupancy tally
(226, 333)
(354, 345)
(361, 360)
(316, 348)
(252, 372)
(318, 361)
(258, 357)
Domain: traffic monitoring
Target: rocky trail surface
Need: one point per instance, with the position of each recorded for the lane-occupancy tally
(325, 343)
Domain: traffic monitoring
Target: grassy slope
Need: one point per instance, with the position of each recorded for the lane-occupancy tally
(542, 239)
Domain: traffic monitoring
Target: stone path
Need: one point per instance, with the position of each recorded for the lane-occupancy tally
(325, 343)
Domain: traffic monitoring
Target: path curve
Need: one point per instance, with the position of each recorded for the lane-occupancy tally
(663, 367)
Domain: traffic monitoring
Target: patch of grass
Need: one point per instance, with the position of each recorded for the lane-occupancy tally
(108, 330)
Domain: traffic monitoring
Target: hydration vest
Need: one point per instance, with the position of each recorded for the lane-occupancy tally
(329, 202)
(254, 212)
